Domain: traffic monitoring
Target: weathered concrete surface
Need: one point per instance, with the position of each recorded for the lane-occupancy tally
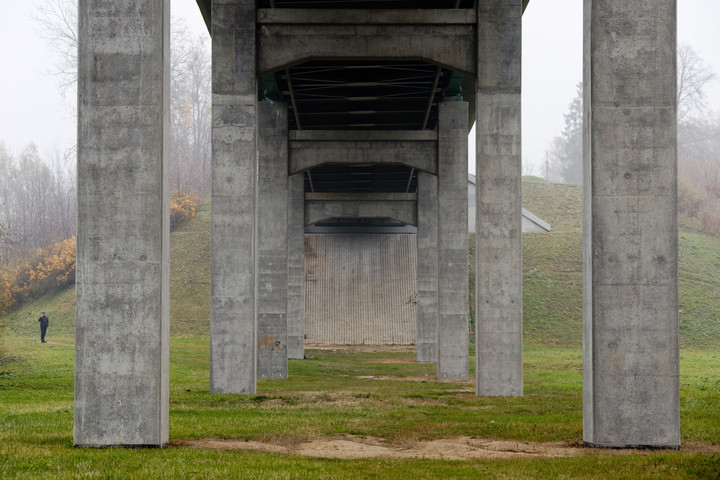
(232, 263)
(296, 267)
(498, 242)
(427, 268)
(272, 248)
(453, 338)
(122, 328)
(631, 386)
(398, 206)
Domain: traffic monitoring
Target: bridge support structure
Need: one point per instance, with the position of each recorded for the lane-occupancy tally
(260, 203)
(630, 321)
(123, 241)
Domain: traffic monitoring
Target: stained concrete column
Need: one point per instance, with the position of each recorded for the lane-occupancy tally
(427, 268)
(296, 267)
(272, 247)
(630, 321)
(234, 178)
(498, 222)
(122, 292)
(453, 335)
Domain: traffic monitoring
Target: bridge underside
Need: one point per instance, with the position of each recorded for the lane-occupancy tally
(363, 112)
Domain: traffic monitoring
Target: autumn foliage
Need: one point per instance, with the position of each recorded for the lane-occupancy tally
(47, 269)
(182, 207)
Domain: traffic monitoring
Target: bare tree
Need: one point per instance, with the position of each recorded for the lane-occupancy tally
(38, 202)
(528, 169)
(57, 24)
(190, 95)
(555, 160)
(693, 78)
(565, 153)
(190, 111)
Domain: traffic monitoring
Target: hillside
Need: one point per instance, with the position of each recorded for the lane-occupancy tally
(189, 288)
(552, 265)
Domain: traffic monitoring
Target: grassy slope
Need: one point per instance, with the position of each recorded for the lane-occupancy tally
(190, 276)
(189, 288)
(553, 273)
(552, 266)
(552, 283)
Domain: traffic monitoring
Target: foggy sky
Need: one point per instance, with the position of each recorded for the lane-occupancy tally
(32, 110)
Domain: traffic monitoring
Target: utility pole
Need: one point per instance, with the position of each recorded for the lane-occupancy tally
(547, 166)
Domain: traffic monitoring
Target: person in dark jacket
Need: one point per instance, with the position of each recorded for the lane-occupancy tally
(44, 322)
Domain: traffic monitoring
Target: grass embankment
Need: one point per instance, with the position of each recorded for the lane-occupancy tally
(552, 265)
(354, 396)
(189, 288)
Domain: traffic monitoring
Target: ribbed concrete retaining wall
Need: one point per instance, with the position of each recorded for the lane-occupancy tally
(361, 289)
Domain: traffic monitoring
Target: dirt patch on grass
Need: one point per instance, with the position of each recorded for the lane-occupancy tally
(363, 348)
(426, 378)
(459, 448)
(399, 361)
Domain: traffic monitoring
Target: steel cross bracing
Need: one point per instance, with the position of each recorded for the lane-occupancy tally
(356, 94)
(337, 95)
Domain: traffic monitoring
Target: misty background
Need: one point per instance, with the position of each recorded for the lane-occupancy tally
(38, 104)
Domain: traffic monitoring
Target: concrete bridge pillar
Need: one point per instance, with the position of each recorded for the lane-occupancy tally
(122, 309)
(630, 380)
(233, 339)
(498, 238)
(427, 268)
(296, 267)
(272, 247)
(452, 251)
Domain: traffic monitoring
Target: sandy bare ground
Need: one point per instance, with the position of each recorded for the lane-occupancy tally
(459, 448)
(362, 348)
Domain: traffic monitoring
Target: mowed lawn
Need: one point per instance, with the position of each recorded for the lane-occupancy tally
(362, 400)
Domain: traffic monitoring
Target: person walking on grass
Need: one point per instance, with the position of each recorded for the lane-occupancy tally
(44, 322)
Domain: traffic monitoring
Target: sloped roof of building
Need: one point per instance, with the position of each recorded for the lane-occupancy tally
(525, 213)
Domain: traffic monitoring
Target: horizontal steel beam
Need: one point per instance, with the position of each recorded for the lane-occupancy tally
(359, 197)
(282, 45)
(367, 17)
(307, 154)
(364, 135)
(398, 206)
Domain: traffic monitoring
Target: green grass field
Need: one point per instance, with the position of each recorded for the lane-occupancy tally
(367, 398)
(356, 396)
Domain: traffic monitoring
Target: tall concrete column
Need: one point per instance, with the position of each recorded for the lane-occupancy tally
(630, 322)
(453, 335)
(427, 268)
(272, 249)
(498, 222)
(296, 267)
(234, 178)
(122, 289)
